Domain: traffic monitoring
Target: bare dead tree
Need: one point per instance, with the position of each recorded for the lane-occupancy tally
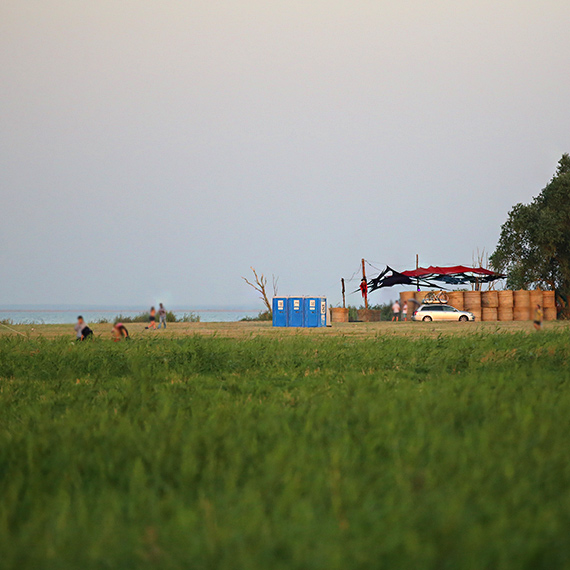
(260, 286)
(481, 259)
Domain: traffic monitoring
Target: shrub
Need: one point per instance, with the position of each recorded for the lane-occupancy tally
(262, 316)
(186, 318)
(140, 318)
(385, 310)
(352, 314)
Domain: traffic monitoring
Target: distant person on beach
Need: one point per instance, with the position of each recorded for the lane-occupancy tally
(405, 311)
(396, 311)
(538, 316)
(152, 319)
(82, 330)
(161, 315)
(119, 332)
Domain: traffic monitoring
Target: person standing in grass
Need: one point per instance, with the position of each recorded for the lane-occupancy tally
(161, 315)
(396, 311)
(152, 319)
(405, 311)
(538, 316)
(82, 330)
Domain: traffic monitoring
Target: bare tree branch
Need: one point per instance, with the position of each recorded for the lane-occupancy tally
(260, 286)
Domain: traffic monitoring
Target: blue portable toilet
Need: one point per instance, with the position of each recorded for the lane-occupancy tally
(280, 311)
(315, 312)
(296, 311)
(312, 312)
(324, 312)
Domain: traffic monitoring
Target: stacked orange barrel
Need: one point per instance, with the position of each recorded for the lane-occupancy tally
(408, 297)
(455, 299)
(521, 309)
(535, 299)
(339, 315)
(490, 305)
(472, 303)
(549, 302)
(505, 308)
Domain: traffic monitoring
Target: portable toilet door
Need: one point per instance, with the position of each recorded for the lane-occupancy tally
(295, 312)
(279, 311)
(312, 312)
(323, 312)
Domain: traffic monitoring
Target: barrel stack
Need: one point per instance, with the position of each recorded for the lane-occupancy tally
(369, 315)
(408, 297)
(505, 308)
(420, 296)
(549, 304)
(535, 299)
(521, 309)
(472, 303)
(490, 306)
(495, 305)
(455, 299)
(339, 315)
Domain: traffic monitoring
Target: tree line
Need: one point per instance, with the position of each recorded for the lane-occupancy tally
(534, 245)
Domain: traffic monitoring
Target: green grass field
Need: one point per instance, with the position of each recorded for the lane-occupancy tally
(302, 452)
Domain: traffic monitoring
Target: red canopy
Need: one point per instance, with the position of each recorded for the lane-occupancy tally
(422, 271)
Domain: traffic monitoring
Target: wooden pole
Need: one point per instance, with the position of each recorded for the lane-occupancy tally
(364, 277)
(343, 300)
(417, 267)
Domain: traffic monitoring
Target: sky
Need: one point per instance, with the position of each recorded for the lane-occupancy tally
(155, 151)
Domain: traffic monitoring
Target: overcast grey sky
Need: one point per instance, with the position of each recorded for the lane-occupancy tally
(155, 150)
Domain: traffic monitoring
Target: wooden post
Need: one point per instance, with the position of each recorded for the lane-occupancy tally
(364, 277)
(417, 267)
(343, 300)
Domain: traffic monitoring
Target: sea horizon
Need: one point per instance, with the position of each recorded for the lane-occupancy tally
(35, 313)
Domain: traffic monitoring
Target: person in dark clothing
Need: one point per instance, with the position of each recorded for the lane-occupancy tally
(82, 330)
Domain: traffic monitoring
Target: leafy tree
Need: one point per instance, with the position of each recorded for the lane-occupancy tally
(534, 247)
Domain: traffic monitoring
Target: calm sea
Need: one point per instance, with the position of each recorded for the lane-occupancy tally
(64, 314)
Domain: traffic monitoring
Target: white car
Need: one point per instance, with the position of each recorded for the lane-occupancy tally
(437, 312)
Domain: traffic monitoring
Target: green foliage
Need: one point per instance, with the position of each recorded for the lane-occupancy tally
(262, 316)
(352, 314)
(140, 318)
(534, 247)
(385, 310)
(185, 318)
(287, 452)
(170, 318)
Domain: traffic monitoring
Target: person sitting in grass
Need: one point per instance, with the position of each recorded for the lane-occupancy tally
(119, 332)
(82, 330)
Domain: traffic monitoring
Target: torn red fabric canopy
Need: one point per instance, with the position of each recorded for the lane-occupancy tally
(431, 270)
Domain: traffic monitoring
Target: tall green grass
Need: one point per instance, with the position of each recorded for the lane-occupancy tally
(293, 452)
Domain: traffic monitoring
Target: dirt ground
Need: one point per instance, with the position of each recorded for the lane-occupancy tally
(253, 329)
